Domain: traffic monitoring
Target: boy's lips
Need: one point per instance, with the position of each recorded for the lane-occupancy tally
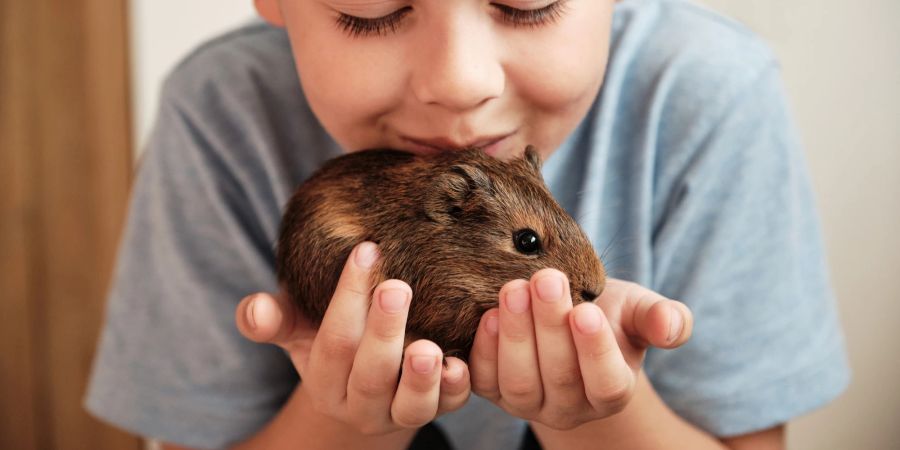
(441, 144)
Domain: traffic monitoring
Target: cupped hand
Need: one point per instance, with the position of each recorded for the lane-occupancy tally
(351, 366)
(541, 359)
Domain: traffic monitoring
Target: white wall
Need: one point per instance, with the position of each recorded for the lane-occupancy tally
(163, 32)
(841, 63)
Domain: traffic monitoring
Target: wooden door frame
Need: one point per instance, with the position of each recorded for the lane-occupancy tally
(66, 166)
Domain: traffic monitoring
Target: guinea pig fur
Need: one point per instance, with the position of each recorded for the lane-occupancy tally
(455, 226)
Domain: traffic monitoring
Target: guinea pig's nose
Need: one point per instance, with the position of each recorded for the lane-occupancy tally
(587, 295)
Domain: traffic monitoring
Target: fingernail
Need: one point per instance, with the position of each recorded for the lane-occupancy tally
(366, 255)
(393, 300)
(517, 300)
(676, 324)
(490, 324)
(588, 321)
(251, 313)
(550, 288)
(424, 364)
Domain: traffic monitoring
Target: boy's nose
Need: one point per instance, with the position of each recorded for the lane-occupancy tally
(457, 67)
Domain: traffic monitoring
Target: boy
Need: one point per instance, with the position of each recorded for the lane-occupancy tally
(664, 132)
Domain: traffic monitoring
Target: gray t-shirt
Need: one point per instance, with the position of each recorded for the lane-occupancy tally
(686, 174)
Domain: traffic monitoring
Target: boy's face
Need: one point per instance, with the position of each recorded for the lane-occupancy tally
(433, 75)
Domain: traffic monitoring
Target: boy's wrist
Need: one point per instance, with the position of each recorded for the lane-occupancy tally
(299, 426)
(645, 423)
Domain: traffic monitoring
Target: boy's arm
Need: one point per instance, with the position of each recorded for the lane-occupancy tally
(602, 366)
(648, 423)
(353, 393)
(298, 426)
(645, 423)
(770, 438)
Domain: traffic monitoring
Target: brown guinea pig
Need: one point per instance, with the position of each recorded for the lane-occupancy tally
(455, 226)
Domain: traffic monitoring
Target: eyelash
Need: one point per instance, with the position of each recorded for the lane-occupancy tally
(382, 26)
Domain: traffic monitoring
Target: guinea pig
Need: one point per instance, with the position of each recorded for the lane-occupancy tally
(455, 226)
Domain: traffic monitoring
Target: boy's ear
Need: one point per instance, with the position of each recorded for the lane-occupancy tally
(270, 10)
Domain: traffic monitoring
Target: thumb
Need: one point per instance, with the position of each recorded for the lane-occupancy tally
(265, 318)
(646, 317)
(661, 322)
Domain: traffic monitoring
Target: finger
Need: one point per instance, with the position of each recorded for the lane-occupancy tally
(558, 358)
(267, 318)
(376, 367)
(418, 393)
(687, 328)
(334, 348)
(483, 357)
(518, 375)
(608, 380)
(455, 386)
(654, 319)
(259, 318)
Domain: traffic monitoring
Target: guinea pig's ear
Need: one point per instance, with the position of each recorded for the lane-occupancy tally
(533, 158)
(451, 192)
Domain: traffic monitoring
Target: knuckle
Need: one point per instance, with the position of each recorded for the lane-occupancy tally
(566, 416)
(337, 344)
(369, 428)
(517, 337)
(388, 333)
(355, 283)
(419, 387)
(602, 353)
(522, 411)
(617, 407)
(484, 353)
(369, 388)
(411, 417)
(556, 325)
(562, 422)
(486, 390)
(632, 287)
(452, 391)
(355, 288)
(523, 393)
(322, 406)
(567, 378)
(452, 402)
(615, 396)
(519, 388)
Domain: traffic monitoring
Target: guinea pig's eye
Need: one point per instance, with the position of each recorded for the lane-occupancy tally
(527, 241)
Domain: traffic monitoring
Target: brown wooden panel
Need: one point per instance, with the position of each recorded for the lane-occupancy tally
(17, 213)
(66, 166)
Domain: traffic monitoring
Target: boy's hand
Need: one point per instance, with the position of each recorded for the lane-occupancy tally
(350, 366)
(540, 359)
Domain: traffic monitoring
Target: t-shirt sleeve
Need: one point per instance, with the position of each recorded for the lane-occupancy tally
(738, 240)
(171, 363)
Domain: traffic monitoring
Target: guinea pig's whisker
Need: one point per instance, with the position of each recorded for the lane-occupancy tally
(585, 191)
(611, 260)
(615, 239)
(582, 215)
(615, 245)
(621, 274)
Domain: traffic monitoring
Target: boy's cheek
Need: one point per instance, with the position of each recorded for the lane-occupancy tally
(555, 74)
(348, 98)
